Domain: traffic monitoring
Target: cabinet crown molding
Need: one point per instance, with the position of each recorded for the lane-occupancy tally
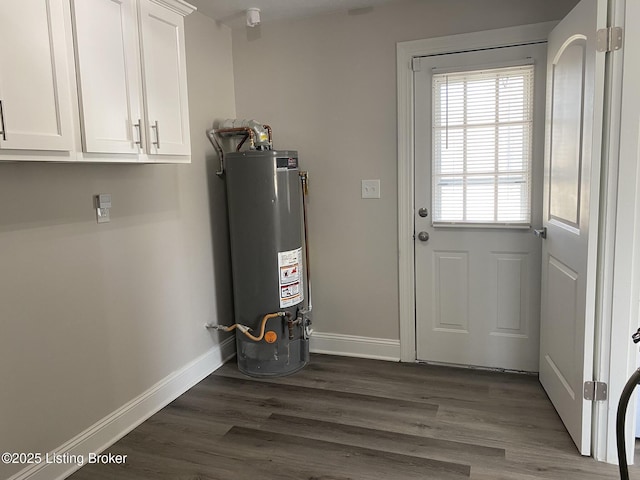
(179, 6)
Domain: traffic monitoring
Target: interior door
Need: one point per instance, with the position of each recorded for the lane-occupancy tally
(575, 87)
(477, 286)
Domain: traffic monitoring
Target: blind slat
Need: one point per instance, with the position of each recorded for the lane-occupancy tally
(482, 129)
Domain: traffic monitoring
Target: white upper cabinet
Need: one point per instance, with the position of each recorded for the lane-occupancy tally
(108, 70)
(35, 108)
(132, 79)
(165, 78)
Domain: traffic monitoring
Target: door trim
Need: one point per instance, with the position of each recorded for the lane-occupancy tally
(406, 51)
(620, 227)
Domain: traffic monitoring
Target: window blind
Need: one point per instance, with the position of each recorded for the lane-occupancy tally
(482, 142)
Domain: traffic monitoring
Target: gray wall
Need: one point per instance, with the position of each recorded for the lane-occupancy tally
(92, 316)
(327, 87)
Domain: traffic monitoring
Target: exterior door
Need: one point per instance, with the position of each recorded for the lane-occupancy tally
(575, 87)
(477, 279)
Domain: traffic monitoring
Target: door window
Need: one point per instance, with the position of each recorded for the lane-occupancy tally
(482, 143)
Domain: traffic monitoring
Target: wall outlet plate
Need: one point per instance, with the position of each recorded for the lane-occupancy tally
(103, 215)
(370, 188)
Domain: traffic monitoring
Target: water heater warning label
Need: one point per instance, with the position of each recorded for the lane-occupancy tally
(290, 279)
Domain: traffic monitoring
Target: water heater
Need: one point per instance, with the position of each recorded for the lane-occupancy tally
(267, 228)
(264, 201)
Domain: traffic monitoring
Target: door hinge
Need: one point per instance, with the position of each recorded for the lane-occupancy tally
(609, 39)
(415, 64)
(595, 391)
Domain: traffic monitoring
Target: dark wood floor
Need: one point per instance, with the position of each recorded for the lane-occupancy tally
(354, 419)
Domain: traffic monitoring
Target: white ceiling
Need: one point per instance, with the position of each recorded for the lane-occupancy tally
(232, 12)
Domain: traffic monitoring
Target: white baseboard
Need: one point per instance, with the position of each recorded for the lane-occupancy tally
(116, 425)
(354, 346)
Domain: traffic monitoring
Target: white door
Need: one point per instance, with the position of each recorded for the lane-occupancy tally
(35, 108)
(479, 143)
(108, 75)
(575, 89)
(626, 306)
(165, 80)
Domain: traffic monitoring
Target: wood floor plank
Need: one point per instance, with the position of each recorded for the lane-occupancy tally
(264, 399)
(175, 420)
(485, 460)
(508, 418)
(383, 413)
(249, 453)
(370, 384)
(346, 459)
(363, 400)
(424, 447)
(425, 383)
(355, 419)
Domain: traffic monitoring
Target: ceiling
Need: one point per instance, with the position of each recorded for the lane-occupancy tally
(232, 12)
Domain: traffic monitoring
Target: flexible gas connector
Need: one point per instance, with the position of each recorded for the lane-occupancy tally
(225, 328)
(244, 329)
(263, 326)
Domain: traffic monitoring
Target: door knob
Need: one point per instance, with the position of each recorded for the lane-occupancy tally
(423, 236)
(542, 232)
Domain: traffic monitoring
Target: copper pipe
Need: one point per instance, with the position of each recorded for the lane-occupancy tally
(222, 131)
(237, 130)
(242, 142)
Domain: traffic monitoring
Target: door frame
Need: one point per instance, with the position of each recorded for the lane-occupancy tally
(620, 237)
(406, 51)
(619, 223)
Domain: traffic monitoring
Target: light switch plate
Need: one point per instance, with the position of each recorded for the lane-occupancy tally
(103, 207)
(103, 200)
(370, 188)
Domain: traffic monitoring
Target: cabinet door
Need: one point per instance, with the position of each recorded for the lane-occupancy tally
(34, 76)
(108, 75)
(165, 80)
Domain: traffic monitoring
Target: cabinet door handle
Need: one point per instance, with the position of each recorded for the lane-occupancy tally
(155, 127)
(3, 132)
(139, 141)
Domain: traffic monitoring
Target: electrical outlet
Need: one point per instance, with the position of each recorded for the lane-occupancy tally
(370, 188)
(103, 215)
